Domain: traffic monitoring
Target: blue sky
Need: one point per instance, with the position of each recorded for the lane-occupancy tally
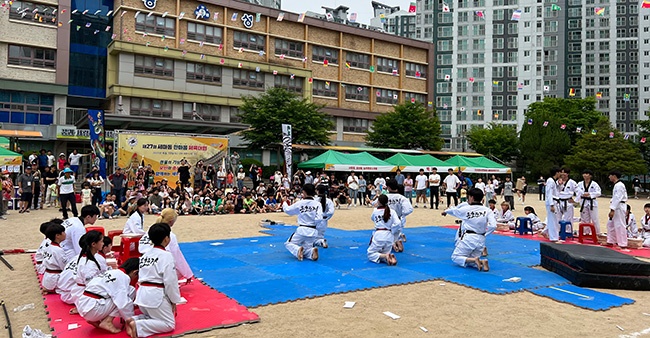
(362, 8)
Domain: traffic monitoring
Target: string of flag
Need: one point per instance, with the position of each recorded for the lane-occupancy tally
(579, 130)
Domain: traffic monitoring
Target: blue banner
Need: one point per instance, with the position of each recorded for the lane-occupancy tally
(97, 140)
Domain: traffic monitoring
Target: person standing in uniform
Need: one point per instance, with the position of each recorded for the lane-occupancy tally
(566, 192)
(434, 188)
(310, 214)
(552, 205)
(477, 222)
(616, 227)
(587, 193)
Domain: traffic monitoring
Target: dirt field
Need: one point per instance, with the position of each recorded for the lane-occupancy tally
(445, 310)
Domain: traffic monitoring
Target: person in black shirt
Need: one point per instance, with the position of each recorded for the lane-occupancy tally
(184, 172)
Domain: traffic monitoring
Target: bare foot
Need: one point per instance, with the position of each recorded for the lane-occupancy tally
(74, 311)
(486, 264)
(485, 251)
(300, 253)
(108, 325)
(94, 324)
(391, 260)
(130, 328)
(314, 254)
(478, 263)
(398, 246)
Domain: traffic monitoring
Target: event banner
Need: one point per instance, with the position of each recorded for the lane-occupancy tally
(97, 140)
(286, 142)
(164, 152)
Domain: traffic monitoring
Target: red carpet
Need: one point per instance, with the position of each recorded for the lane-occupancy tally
(643, 252)
(205, 309)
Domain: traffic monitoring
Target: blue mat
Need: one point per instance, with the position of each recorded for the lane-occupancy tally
(260, 271)
(584, 298)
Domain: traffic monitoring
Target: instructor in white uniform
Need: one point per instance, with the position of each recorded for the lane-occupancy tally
(552, 206)
(587, 193)
(616, 229)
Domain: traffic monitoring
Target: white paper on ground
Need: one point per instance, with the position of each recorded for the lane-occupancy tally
(391, 315)
(73, 326)
(183, 301)
(349, 305)
(354, 247)
(424, 329)
(216, 243)
(513, 280)
(620, 328)
(442, 284)
(254, 240)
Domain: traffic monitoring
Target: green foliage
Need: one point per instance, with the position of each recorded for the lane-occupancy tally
(602, 154)
(408, 126)
(498, 140)
(267, 112)
(644, 131)
(544, 147)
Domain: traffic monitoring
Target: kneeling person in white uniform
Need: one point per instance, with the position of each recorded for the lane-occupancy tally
(402, 208)
(110, 295)
(310, 213)
(477, 222)
(158, 293)
(328, 212)
(387, 224)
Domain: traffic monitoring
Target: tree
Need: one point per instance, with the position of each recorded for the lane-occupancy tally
(267, 112)
(543, 147)
(408, 126)
(600, 153)
(644, 131)
(498, 140)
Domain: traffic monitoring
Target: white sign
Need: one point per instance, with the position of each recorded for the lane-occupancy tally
(150, 4)
(71, 132)
(247, 20)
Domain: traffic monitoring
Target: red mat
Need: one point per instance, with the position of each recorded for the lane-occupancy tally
(206, 309)
(642, 252)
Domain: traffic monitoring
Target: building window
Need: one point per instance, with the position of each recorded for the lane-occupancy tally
(234, 115)
(387, 96)
(248, 41)
(293, 85)
(203, 112)
(325, 89)
(149, 107)
(203, 72)
(421, 98)
(245, 78)
(358, 60)
(155, 24)
(150, 65)
(289, 48)
(29, 11)
(204, 33)
(355, 125)
(359, 93)
(415, 69)
(319, 53)
(32, 57)
(26, 108)
(387, 65)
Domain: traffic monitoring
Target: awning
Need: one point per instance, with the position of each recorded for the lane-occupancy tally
(479, 165)
(21, 133)
(382, 150)
(147, 123)
(413, 163)
(8, 157)
(335, 161)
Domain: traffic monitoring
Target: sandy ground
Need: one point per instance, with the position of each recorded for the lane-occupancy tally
(445, 310)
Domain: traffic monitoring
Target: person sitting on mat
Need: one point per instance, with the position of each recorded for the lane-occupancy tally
(109, 296)
(645, 226)
(387, 225)
(630, 221)
(106, 251)
(310, 213)
(159, 293)
(54, 258)
(87, 265)
(505, 217)
(38, 256)
(477, 222)
(537, 223)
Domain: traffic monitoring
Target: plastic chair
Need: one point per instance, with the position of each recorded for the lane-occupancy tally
(100, 229)
(129, 247)
(563, 230)
(112, 234)
(592, 237)
(524, 225)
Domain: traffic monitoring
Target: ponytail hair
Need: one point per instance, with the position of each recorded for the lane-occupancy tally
(322, 193)
(86, 241)
(138, 204)
(383, 201)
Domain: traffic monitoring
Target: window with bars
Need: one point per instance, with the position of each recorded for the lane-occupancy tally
(358, 93)
(325, 88)
(320, 53)
(150, 65)
(387, 65)
(150, 107)
(248, 41)
(33, 12)
(203, 72)
(32, 57)
(245, 78)
(415, 69)
(155, 24)
(26, 108)
(205, 33)
(421, 98)
(203, 112)
(358, 60)
(289, 48)
(234, 115)
(285, 81)
(353, 125)
(387, 96)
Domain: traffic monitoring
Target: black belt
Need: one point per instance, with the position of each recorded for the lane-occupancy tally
(309, 226)
(152, 284)
(382, 229)
(53, 271)
(93, 295)
(565, 200)
(591, 203)
(473, 232)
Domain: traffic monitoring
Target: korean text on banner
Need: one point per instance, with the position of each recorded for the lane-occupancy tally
(286, 142)
(97, 140)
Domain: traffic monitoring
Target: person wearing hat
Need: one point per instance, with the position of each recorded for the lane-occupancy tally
(61, 161)
(66, 192)
(25, 189)
(309, 179)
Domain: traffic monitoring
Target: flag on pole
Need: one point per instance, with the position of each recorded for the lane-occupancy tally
(599, 95)
(412, 7)
(444, 106)
(555, 7)
(445, 8)
(578, 129)
(545, 124)
(516, 15)
(626, 97)
(480, 14)
(572, 92)
(329, 17)
(563, 126)
(286, 142)
(325, 63)
(301, 17)
(447, 77)
(495, 83)
(97, 140)
(327, 84)
(530, 121)
(599, 11)
(627, 136)
(347, 65)
(645, 4)
(547, 88)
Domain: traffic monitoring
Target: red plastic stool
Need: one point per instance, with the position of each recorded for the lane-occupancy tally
(112, 234)
(129, 247)
(581, 236)
(100, 229)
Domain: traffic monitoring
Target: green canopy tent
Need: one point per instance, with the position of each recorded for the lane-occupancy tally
(478, 165)
(335, 161)
(413, 163)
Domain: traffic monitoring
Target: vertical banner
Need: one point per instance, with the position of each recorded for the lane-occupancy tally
(97, 140)
(286, 142)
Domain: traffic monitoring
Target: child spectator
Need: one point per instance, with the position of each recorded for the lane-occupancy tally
(86, 194)
(630, 221)
(537, 223)
(387, 225)
(492, 205)
(505, 217)
(463, 193)
(54, 258)
(645, 226)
